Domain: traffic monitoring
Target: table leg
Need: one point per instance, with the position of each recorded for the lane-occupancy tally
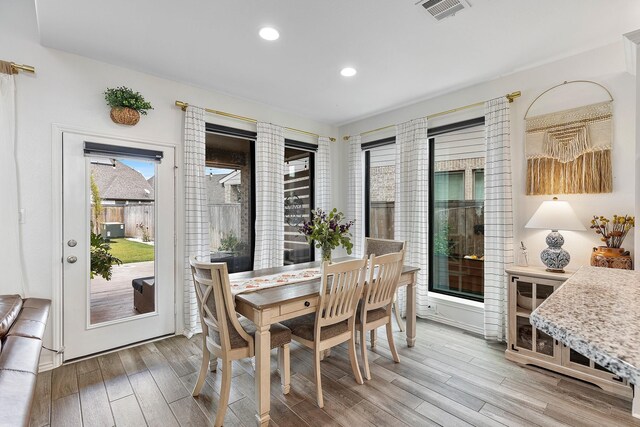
(263, 374)
(411, 312)
(635, 407)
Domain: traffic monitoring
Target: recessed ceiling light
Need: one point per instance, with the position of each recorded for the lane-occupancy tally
(269, 33)
(348, 72)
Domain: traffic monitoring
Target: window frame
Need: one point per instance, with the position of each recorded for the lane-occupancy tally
(251, 137)
(466, 124)
(312, 149)
(367, 147)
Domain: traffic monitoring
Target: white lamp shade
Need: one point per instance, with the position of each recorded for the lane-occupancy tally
(555, 215)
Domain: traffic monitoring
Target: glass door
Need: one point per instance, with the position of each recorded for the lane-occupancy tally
(529, 294)
(118, 231)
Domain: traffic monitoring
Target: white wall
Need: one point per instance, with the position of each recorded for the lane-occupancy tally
(605, 65)
(67, 89)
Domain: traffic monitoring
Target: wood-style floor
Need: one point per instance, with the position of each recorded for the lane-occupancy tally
(113, 299)
(451, 378)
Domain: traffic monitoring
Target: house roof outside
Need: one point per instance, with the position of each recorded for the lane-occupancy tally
(121, 182)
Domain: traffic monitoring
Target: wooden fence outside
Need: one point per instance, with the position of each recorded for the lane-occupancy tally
(131, 216)
(223, 220)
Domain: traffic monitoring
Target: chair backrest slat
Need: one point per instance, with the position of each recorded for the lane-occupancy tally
(342, 285)
(384, 275)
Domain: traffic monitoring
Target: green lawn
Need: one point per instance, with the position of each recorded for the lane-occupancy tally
(128, 251)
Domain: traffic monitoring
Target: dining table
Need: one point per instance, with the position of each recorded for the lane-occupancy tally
(271, 305)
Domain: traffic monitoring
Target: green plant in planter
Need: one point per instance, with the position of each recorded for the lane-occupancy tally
(101, 259)
(123, 97)
(230, 243)
(441, 243)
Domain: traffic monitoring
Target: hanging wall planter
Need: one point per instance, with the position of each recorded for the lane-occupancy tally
(126, 105)
(125, 116)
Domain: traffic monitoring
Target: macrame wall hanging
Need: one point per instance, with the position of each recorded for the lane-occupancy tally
(569, 152)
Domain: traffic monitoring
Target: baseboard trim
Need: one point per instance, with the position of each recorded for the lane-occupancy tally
(456, 324)
(46, 366)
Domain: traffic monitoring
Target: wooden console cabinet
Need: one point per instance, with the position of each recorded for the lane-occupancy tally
(528, 288)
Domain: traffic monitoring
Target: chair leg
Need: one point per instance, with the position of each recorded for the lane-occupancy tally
(225, 389)
(354, 359)
(316, 353)
(204, 367)
(374, 337)
(365, 358)
(284, 366)
(396, 311)
(392, 344)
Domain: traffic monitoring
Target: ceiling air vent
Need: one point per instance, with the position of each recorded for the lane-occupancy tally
(441, 9)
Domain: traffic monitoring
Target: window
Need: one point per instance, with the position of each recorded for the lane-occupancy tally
(380, 182)
(230, 184)
(230, 201)
(298, 203)
(456, 211)
(478, 184)
(449, 185)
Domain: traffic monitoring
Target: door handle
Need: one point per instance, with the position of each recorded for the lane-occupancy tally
(72, 243)
(72, 259)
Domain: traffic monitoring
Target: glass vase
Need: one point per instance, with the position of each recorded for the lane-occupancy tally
(326, 253)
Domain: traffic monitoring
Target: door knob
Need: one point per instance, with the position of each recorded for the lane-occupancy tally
(71, 259)
(72, 243)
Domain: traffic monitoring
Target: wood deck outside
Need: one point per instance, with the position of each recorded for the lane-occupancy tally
(450, 378)
(111, 300)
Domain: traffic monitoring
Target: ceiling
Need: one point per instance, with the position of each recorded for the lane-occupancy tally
(401, 53)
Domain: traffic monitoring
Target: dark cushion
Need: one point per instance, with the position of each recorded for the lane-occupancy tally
(21, 354)
(16, 389)
(138, 284)
(372, 315)
(380, 247)
(10, 306)
(280, 334)
(304, 327)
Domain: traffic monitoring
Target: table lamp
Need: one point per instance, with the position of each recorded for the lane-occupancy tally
(555, 215)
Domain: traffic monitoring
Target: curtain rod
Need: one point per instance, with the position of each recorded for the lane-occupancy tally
(23, 67)
(511, 97)
(183, 106)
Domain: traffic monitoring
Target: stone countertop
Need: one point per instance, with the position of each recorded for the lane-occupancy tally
(596, 312)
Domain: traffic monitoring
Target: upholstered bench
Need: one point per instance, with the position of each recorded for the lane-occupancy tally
(22, 324)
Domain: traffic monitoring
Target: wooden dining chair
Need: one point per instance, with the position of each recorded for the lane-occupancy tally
(227, 335)
(334, 320)
(382, 247)
(375, 307)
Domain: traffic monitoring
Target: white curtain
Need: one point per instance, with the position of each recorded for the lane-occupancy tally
(269, 197)
(498, 217)
(355, 205)
(323, 180)
(13, 280)
(196, 224)
(412, 205)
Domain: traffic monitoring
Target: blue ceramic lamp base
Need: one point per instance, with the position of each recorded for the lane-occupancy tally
(554, 257)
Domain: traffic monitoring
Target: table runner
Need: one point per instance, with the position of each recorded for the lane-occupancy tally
(253, 284)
